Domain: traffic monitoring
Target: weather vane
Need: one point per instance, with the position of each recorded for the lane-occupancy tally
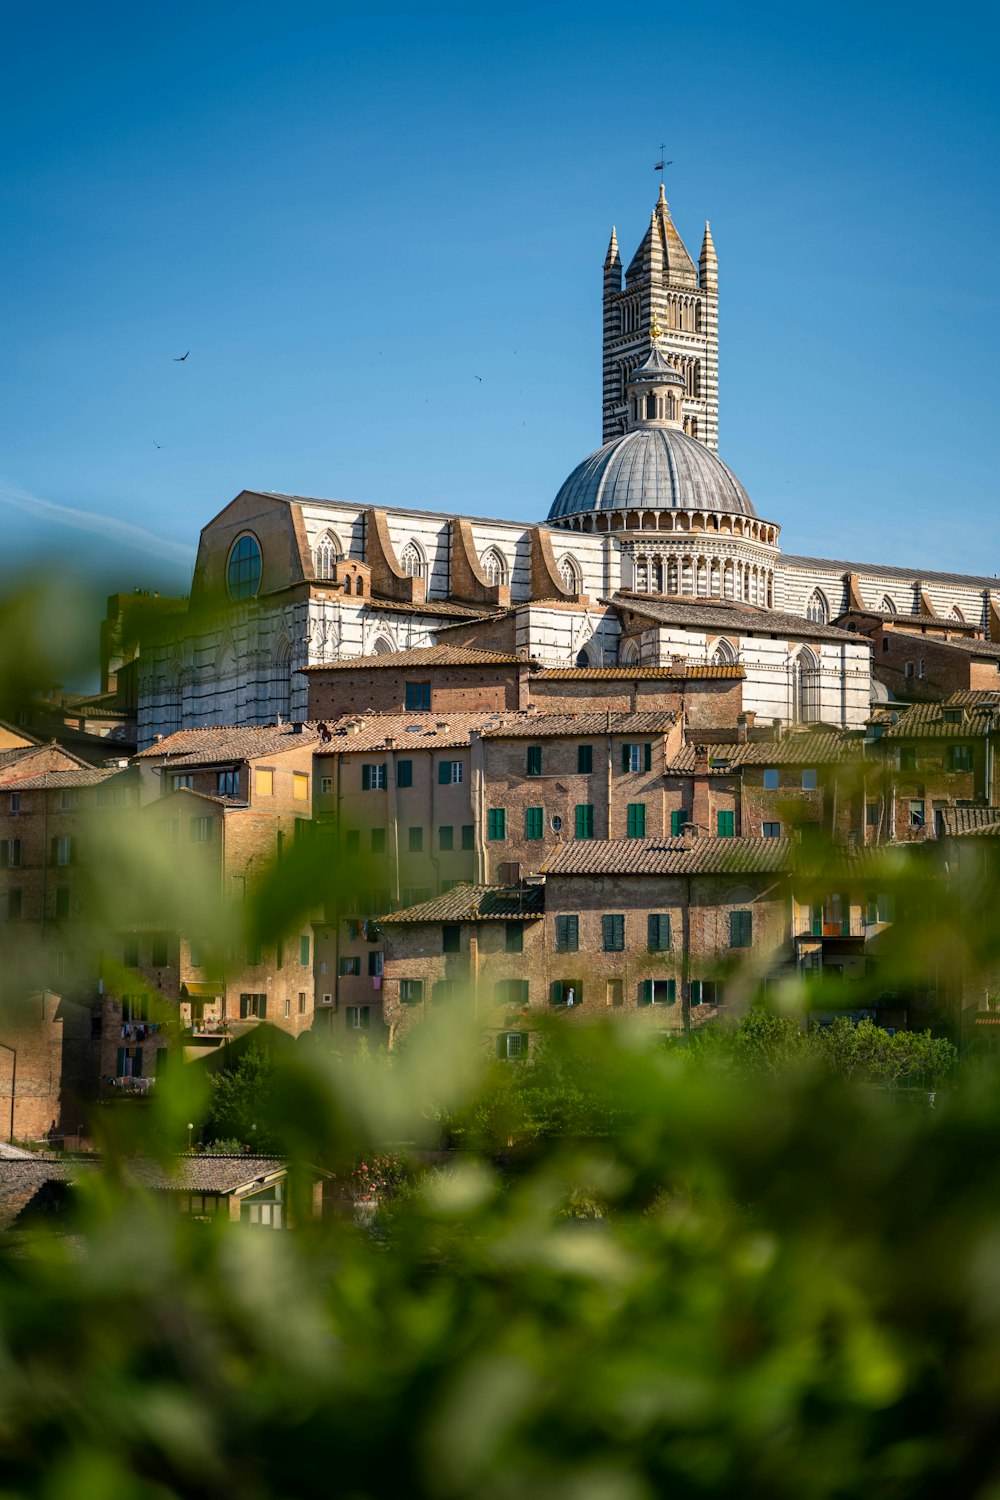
(659, 166)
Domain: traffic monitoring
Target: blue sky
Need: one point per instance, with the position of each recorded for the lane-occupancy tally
(348, 213)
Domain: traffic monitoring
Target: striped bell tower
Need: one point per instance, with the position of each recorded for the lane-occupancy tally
(662, 281)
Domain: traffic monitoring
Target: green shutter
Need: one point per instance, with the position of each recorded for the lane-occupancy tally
(533, 822)
(585, 759)
(404, 773)
(636, 820)
(497, 824)
(845, 916)
(678, 820)
(366, 778)
(646, 992)
(584, 820)
(672, 991)
(534, 760)
(726, 825)
(696, 992)
(120, 1064)
(626, 756)
(556, 992)
(817, 920)
(444, 773)
(647, 756)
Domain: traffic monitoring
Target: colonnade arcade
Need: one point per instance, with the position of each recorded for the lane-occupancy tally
(716, 523)
(702, 575)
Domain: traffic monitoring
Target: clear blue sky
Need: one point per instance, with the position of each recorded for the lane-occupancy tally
(346, 213)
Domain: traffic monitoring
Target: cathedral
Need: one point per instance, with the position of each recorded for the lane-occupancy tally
(652, 555)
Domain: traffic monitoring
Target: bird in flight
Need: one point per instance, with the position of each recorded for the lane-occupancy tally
(480, 379)
(156, 444)
(180, 358)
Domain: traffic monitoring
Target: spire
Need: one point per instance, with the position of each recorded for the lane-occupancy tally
(662, 253)
(612, 254)
(708, 261)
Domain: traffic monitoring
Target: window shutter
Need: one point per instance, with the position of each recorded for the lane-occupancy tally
(646, 992)
(845, 916)
(672, 991)
(726, 825)
(556, 992)
(244, 1007)
(817, 920)
(261, 1007)
(366, 778)
(626, 757)
(534, 760)
(501, 1044)
(647, 756)
(404, 773)
(120, 1064)
(696, 992)
(677, 822)
(578, 987)
(444, 773)
(137, 1063)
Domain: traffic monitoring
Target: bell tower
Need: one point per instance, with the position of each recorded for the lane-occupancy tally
(662, 282)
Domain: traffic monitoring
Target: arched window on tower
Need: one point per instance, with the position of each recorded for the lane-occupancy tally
(569, 574)
(328, 553)
(818, 608)
(494, 566)
(412, 561)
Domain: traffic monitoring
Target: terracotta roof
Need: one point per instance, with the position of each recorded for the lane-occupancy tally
(203, 747)
(989, 649)
(21, 1182)
(422, 656)
(545, 726)
(680, 671)
(429, 607)
(959, 821)
(476, 903)
(80, 776)
(355, 733)
(674, 856)
(974, 697)
(927, 721)
(723, 616)
(813, 748)
(206, 1174)
(26, 753)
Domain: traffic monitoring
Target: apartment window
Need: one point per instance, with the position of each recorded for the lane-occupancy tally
(514, 937)
(613, 933)
(358, 1017)
(305, 945)
(916, 815)
(908, 758)
(227, 783)
(567, 934)
(201, 830)
(416, 840)
(771, 830)
(678, 822)
(288, 1007)
(871, 814)
(658, 992)
(584, 759)
(468, 835)
(740, 929)
(449, 772)
(373, 778)
(808, 781)
(921, 668)
(446, 838)
(706, 992)
(160, 951)
(264, 783)
(68, 798)
(534, 822)
(378, 840)
(585, 819)
(411, 991)
(511, 991)
(135, 1008)
(534, 766)
(658, 932)
(451, 937)
(726, 824)
(300, 786)
(15, 802)
(885, 643)
(350, 966)
(352, 840)
(178, 782)
(496, 824)
(14, 902)
(908, 669)
(253, 1006)
(959, 757)
(170, 830)
(770, 781)
(62, 850)
(566, 992)
(636, 820)
(302, 1002)
(376, 964)
(512, 1046)
(10, 854)
(62, 901)
(418, 697)
(404, 773)
(637, 757)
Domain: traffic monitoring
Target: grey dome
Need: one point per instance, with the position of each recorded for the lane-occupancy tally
(652, 468)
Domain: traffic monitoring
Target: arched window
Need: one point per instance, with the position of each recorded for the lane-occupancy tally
(888, 607)
(672, 581)
(641, 575)
(280, 705)
(957, 614)
(493, 565)
(412, 561)
(569, 573)
(382, 646)
(724, 654)
(243, 569)
(805, 687)
(328, 553)
(628, 654)
(818, 608)
(583, 658)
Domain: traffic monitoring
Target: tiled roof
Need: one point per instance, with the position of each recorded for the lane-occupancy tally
(973, 698)
(414, 731)
(927, 721)
(813, 748)
(22, 1180)
(26, 753)
(719, 615)
(988, 649)
(545, 726)
(956, 821)
(422, 656)
(674, 856)
(205, 1174)
(476, 903)
(441, 607)
(912, 576)
(680, 671)
(203, 747)
(80, 776)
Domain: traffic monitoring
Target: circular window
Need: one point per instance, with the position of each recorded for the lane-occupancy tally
(557, 824)
(243, 573)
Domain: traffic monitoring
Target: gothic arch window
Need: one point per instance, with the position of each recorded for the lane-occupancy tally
(805, 687)
(956, 614)
(412, 561)
(724, 655)
(583, 657)
(494, 566)
(628, 654)
(382, 646)
(818, 608)
(280, 705)
(888, 607)
(328, 553)
(569, 573)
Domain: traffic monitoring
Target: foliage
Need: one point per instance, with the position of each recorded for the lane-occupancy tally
(241, 1101)
(378, 1176)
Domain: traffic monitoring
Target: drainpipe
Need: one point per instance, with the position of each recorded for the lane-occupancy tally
(988, 758)
(608, 780)
(686, 958)
(392, 811)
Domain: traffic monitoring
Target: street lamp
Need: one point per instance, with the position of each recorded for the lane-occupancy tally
(190, 1129)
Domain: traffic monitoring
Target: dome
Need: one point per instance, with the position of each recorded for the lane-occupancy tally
(652, 468)
(656, 369)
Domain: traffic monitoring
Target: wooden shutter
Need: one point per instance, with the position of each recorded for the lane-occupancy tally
(137, 1063)
(556, 992)
(696, 992)
(120, 1063)
(647, 756)
(816, 919)
(726, 825)
(444, 773)
(626, 757)
(366, 778)
(404, 773)
(534, 760)
(845, 916)
(646, 992)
